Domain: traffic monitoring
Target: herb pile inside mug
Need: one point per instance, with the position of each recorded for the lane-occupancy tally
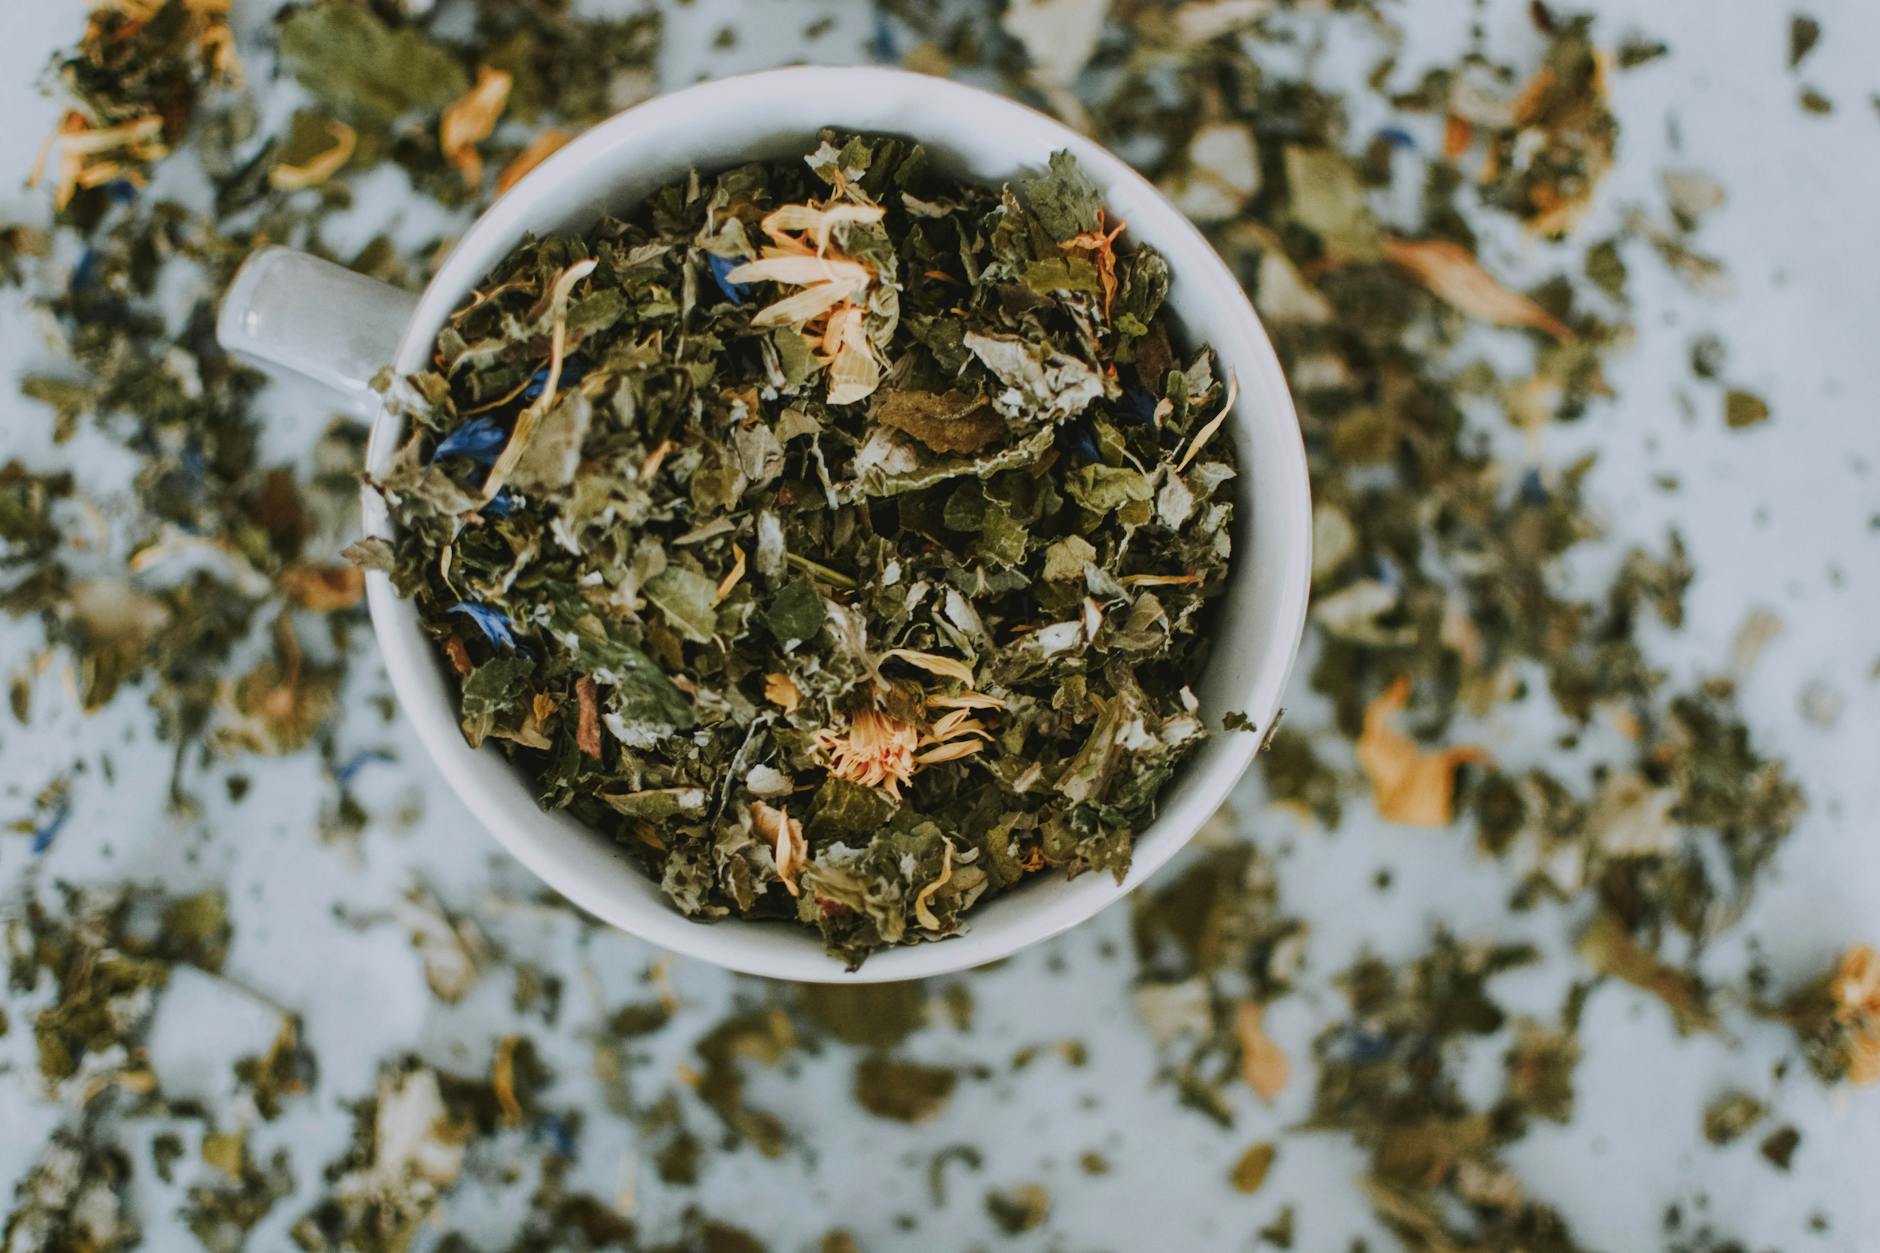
(835, 532)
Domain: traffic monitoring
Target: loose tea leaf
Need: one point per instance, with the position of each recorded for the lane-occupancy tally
(902, 1090)
(1731, 1115)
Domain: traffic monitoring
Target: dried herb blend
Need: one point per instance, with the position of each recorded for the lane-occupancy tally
(836, 533)
(1370, 218)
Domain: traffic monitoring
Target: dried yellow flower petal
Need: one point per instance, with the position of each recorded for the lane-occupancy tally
(540, 149)
(780, 691)
(1408, 785)
(817, 222)
(1263, 1063)
(934, 663)
(878, 751)
(471, 119)
(922, 912)
(313, 172)
(784, 834)
(854, 374)
(1857, 982)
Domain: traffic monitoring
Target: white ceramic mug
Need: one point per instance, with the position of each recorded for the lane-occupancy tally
(296, 312)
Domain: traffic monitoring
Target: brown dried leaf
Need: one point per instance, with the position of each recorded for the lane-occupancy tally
(1251, 1170)
(587, 736)
(1609, 948)
(323, 589)
(952, 422)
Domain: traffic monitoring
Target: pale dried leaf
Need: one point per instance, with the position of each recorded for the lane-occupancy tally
(1454, 275)
(933, 663)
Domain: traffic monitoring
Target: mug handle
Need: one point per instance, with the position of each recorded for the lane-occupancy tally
(295, 312)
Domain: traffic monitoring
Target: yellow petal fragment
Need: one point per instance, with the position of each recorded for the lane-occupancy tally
(1263, 1063)
(965, 700)
(949, 752)
(540, 149)
(804, 306)
(934, 663)
(313, 172)
(955, 724)
(922, 914)
(503, 1081)
(1409, 786)
(79, 146)
(1206, 433)
(788, 846)
(854, 374)
(780, 691)
(1451, 272)
(470, 120)
(800, 270)
(731, 579)
(817, 223)
(1162, 580)
(826, 283)
(1856, 986)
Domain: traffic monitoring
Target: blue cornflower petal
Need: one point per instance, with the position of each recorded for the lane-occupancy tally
(1141, 403)
(1084, 445)
(1355, 1044)
(721, 266)
(556, 1132)
(48, 831)
(1533, 491)
(85, 273)
(882, 42)
(122, 190)
(1397, 137)
(571, 373)
(501, 505)
(360, 761)
(494, 623)
(480, 439)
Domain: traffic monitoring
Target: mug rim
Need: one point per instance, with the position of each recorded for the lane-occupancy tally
(736, 943)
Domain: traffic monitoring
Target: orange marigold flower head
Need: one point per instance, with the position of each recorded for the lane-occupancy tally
(877, 751)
